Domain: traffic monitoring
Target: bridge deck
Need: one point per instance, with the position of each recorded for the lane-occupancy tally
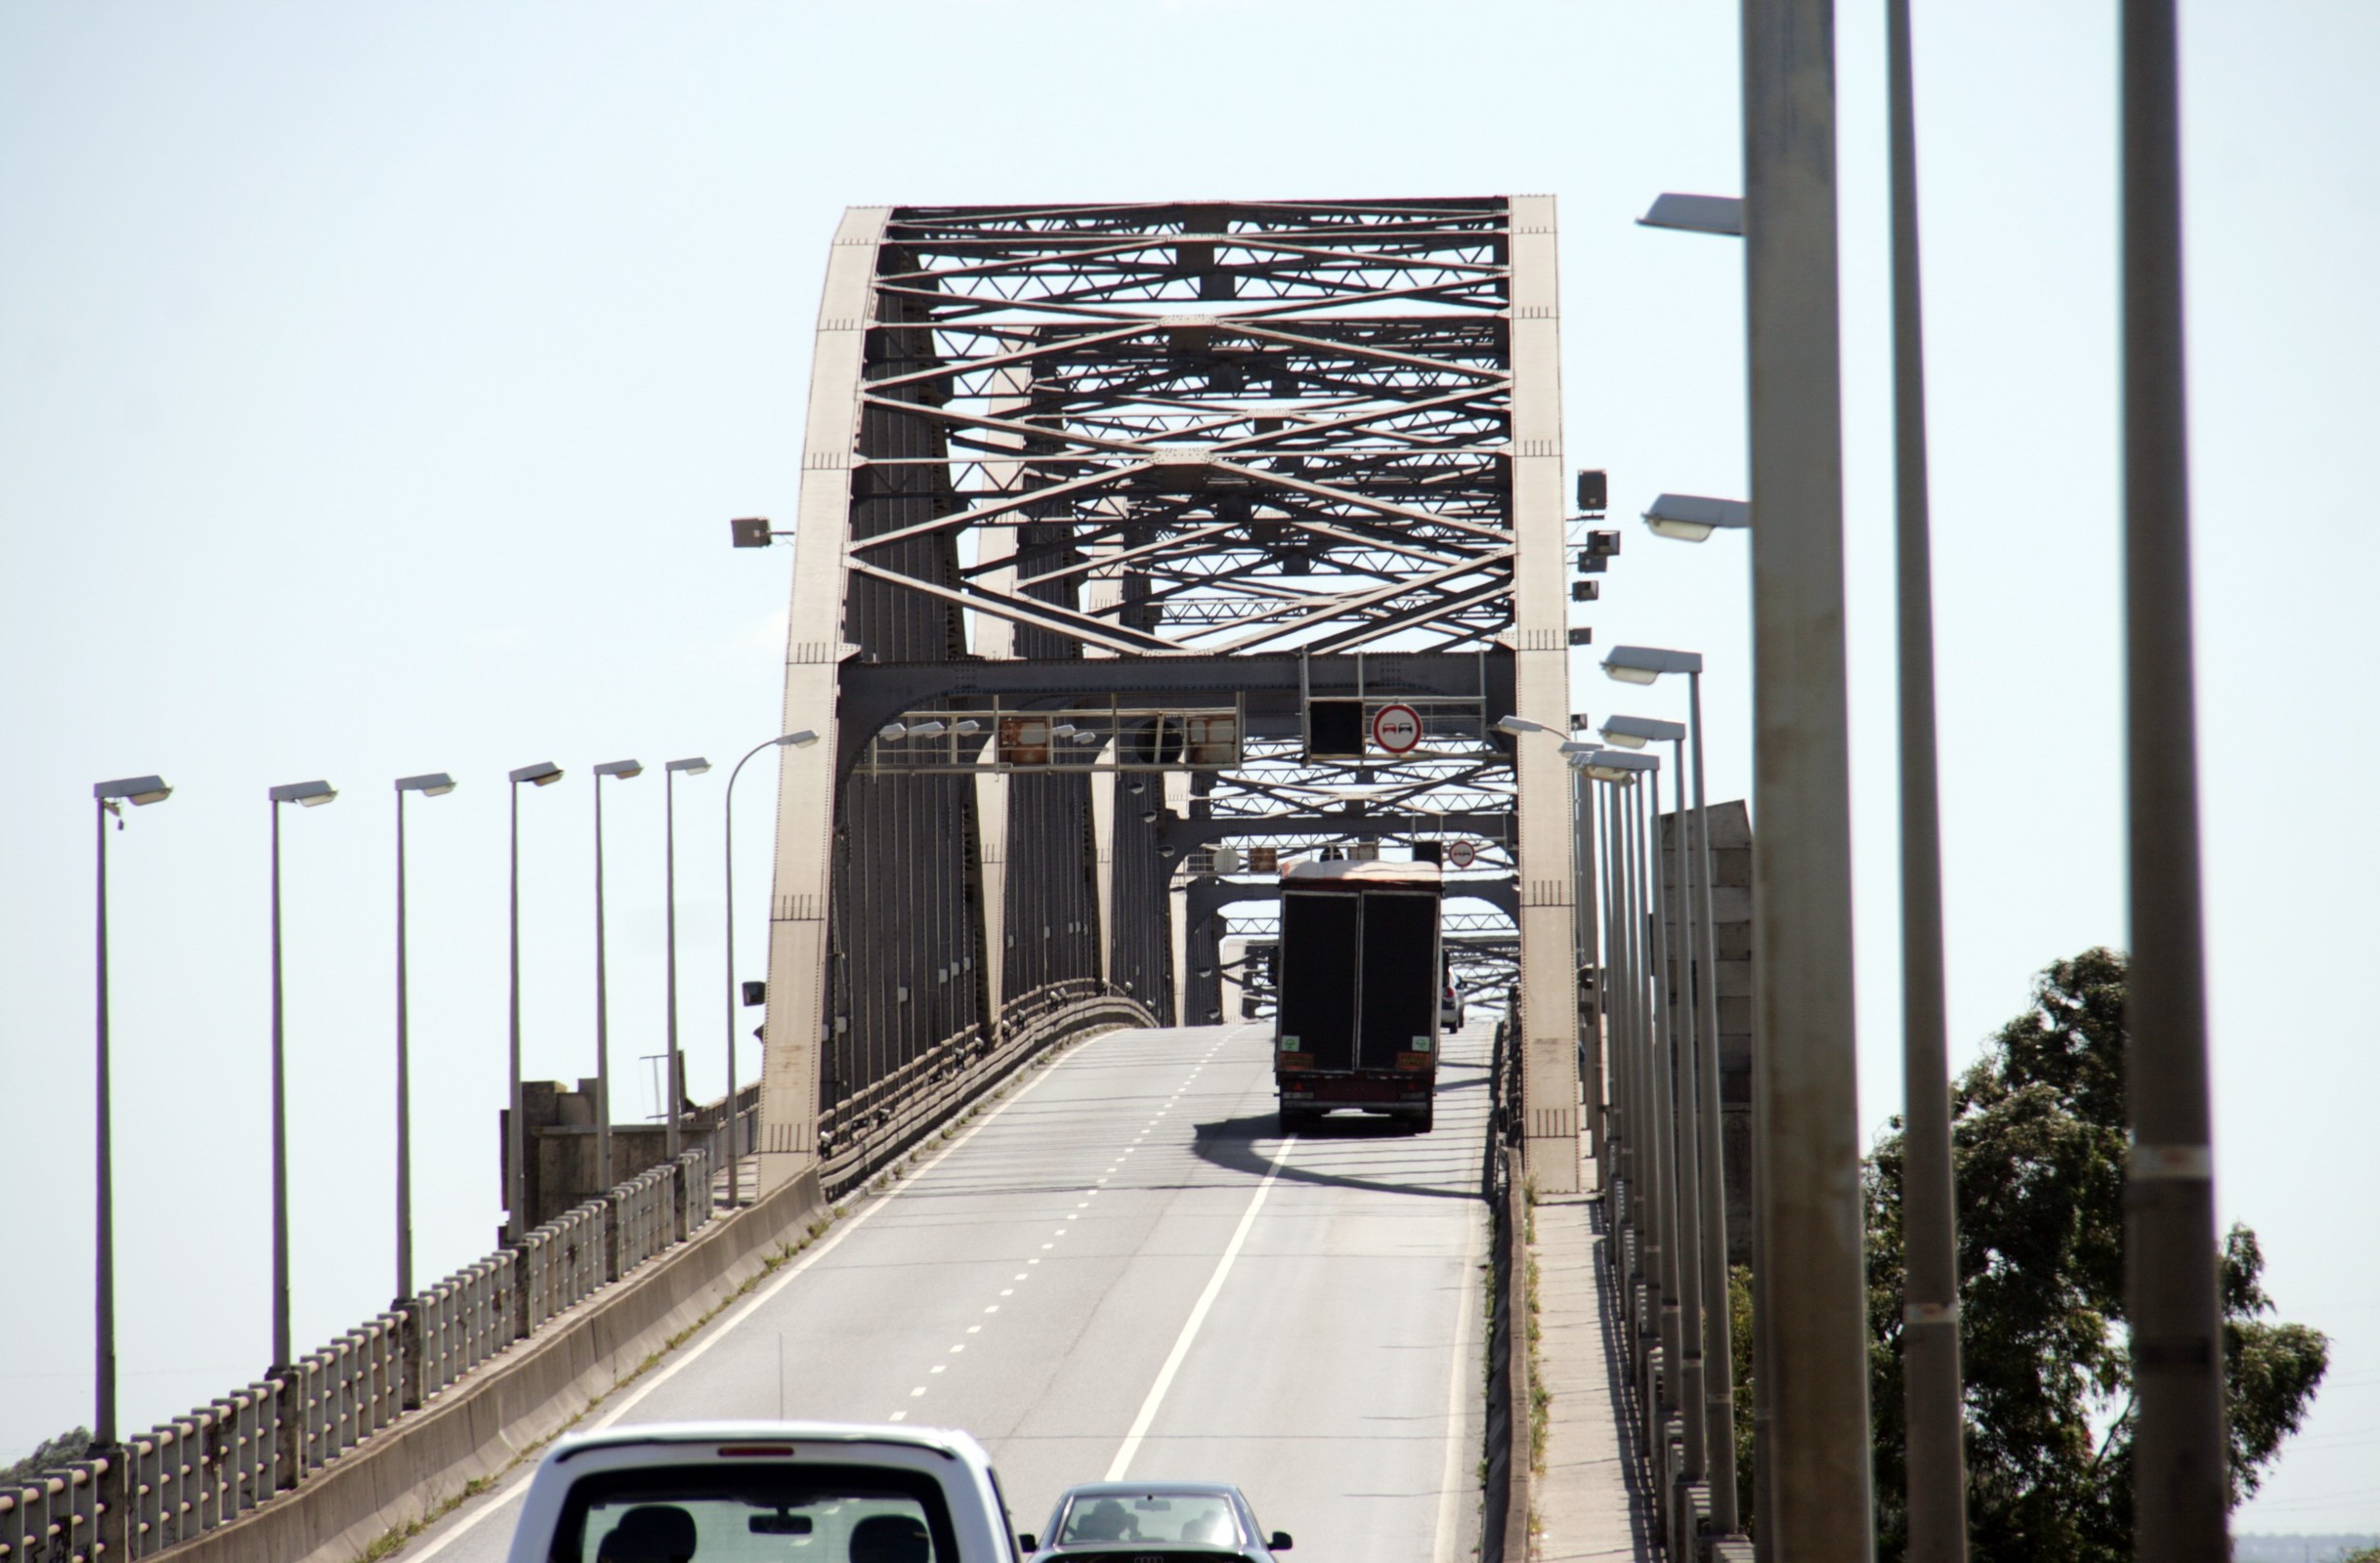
(1064, 1242)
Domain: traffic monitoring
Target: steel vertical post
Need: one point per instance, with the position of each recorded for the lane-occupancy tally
(1681, 997)
(281, 1129)
(2180, 1479)
(103, 1431)
(603, 1016)
(1936, 1468)
(1719, 1333)
(516, 1177)
(1813, 1281)
(671, 1086)
(404, 1088)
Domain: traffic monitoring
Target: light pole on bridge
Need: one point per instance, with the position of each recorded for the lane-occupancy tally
(673, 1074)
(621, 771)
(109, 798)
(306, 796)
(800, 741)
(433, 785)
(546, 773)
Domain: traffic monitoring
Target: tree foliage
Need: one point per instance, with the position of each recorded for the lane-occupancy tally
(2038, 1143)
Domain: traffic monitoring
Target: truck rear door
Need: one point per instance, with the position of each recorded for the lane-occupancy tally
(1320, 936)
(1400, 1012)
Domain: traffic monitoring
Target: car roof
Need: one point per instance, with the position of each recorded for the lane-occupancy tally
(948, 1442)
(1128, 1489)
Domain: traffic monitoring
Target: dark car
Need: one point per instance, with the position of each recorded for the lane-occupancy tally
(1162, 1522)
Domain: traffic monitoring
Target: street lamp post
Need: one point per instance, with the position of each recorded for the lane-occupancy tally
(800, 741)
(1643, 664)
(621, 771)
(1936, 1478)
(673, 1073)
(435, 785)
(306, 796)
(109, 798)
(2170, 1268)
(545, 772)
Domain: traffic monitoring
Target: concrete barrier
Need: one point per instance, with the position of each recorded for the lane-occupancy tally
(519, 1399)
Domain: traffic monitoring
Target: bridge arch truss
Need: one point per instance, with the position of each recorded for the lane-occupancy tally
(1094, 500)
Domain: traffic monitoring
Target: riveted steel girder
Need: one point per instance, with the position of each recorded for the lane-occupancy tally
(1060, 454)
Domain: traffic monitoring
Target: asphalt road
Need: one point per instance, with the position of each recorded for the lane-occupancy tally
(1124, 1270)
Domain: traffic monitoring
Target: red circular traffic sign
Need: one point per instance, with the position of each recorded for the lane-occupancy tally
(1462, 855)
(1397, 729)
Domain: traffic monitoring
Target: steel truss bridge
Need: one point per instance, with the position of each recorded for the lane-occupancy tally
(1094, 500)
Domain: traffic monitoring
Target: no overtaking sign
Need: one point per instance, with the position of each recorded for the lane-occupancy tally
(1396, 729)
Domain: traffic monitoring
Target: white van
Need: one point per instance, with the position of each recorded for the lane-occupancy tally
(725, 1491)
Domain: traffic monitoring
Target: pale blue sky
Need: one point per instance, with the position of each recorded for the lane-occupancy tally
(374, 382)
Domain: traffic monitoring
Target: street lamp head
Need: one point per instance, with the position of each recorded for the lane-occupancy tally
(966, 725)
(1723, 215)
(305, 794)
(546, 773)
(1635, 732)
(892, 730)
(1574, 747)
(927, 728)
(1517, 725)
(430, 785)
(1618, 765)
(691, 767)
(622, 768)
(140, 789)
(1641, 664)
(800, 741)
(1693, 518)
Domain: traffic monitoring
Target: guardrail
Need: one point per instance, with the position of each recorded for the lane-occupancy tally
(192, 1475)
(866, 1130)
(185, 1477)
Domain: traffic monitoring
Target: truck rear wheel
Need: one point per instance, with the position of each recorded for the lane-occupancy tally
(1423, 1120)
(1298, 1120)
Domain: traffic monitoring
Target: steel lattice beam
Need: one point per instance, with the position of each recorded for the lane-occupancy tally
(1063, 451)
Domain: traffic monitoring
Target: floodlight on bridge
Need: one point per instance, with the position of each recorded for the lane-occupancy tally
(967, 725)
(139, 791)
(1693, 518)
(1723, 215)
(1635, 732)
(750, 531)
(927, 729)
(1642, 664)
(305, 794)
(1618, 765)
(546, 773)
(430, 785)
(893, 730)
(696, 766)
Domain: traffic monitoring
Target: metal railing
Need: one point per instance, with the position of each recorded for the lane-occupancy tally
(185, 1477)
(196, 1473)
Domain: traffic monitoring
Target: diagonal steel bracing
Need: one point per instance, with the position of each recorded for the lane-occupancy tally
(1093, 497)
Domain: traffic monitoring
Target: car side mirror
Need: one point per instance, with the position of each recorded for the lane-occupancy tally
(1028, 1542)
(1278, 1544)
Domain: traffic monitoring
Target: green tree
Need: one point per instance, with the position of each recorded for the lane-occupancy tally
(2038, 1140)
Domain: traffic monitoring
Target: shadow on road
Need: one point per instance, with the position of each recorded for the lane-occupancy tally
(1231, 1143)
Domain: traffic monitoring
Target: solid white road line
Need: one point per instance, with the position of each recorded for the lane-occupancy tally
(1198, 1317)
(1462, 1391)
(718, 1329)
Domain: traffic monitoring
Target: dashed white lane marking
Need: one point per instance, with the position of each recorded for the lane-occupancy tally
(499, 1499)
(914, 1393)
(898, 1416)
(1198, 1317)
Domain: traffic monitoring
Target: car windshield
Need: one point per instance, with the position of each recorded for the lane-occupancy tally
(755, 1514)
(1150, 1516)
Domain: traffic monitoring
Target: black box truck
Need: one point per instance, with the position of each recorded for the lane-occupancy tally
(1357, 985)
